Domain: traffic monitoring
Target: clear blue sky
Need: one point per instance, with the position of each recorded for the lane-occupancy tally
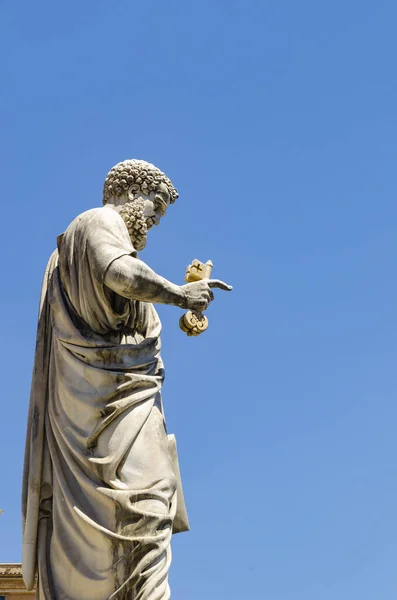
(277, 121)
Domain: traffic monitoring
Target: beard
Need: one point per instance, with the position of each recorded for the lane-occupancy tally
(133, 216)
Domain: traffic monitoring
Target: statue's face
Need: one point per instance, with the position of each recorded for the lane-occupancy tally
(141, 211)
(155, 205)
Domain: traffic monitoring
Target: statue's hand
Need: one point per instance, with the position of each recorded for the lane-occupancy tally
(198, 294)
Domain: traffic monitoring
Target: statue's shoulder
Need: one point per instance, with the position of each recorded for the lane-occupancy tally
(94, 217)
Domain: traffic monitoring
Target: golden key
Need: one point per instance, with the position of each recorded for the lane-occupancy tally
(194, 322)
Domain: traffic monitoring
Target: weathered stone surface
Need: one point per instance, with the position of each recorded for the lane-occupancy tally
(102, 492)
(11, 583)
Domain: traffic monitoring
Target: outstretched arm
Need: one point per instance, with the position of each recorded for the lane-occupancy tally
(131, 278)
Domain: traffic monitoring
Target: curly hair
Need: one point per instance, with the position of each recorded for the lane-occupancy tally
(139, 172)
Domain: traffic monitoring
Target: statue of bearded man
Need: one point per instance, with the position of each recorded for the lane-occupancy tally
(101, 490)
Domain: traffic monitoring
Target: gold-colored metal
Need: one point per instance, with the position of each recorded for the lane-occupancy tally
(194, 322)
(198, 270)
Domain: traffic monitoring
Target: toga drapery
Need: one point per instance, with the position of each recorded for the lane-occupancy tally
(101, 475)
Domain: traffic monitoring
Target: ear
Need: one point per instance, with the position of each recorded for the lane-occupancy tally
(132, 191)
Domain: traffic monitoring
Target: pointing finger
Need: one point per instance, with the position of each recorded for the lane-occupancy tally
(217, 283)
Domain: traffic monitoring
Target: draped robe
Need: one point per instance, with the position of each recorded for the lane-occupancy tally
(101, 476)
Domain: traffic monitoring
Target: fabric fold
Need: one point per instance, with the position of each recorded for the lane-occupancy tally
(100, 479)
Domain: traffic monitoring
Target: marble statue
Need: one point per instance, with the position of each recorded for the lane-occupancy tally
(101, 490)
